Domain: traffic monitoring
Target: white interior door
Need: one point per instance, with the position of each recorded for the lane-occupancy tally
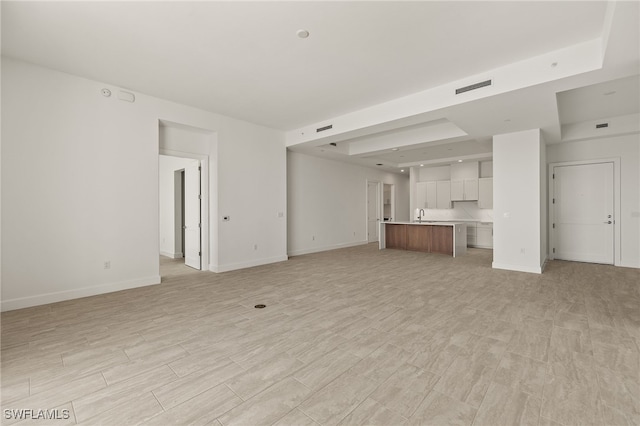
(373, 216)
(192, 250)
(583, 228)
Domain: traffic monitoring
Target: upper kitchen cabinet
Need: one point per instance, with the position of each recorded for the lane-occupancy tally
(443, 194)
(485, 193)
(464, 189)
(464, 181)
(421, 195)
(432, 195)
(427, 196)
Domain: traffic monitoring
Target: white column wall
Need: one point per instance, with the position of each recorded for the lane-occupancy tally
(517, 206)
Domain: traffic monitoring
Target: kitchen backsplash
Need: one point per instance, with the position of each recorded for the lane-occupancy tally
(462, 210)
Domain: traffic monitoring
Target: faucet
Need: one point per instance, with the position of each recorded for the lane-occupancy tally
(420, 214)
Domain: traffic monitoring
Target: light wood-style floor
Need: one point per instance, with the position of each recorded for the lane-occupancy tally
(351, 336)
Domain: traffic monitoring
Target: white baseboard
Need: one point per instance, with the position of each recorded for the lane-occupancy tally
(519, 268)
(252, 263)
(544, 264)
(43, 299)
(326, 248)
(171, 255)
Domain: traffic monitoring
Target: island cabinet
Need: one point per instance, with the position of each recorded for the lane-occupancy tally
(396, 236)
(424, 237)
(419, 238)
(441, 239)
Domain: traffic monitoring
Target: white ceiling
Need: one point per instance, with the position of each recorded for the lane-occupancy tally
(243, 59)
(607, 99)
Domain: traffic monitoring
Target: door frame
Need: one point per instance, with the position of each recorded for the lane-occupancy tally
(392, 200)
(378, 207)
(617, 240)
(204, 202)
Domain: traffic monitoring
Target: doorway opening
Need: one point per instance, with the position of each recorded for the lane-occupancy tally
(388, 202)
(190, 143)
(374, 209)
(583, 211)
(180, 202)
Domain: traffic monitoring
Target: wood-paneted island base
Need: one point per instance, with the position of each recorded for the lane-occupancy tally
(430, 237)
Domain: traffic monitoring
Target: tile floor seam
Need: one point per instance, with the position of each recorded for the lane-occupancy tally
(75, 416)
(544, 385)
(234, 392)
(487, 390)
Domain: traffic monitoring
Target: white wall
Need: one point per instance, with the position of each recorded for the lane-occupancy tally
(170, 218)
(327, 199)
(627, 148)
(80, 187)
(517, 193)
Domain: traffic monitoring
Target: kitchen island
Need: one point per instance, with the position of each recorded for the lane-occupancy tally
(430, 237)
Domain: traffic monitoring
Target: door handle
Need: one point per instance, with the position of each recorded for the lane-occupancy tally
(608, 222)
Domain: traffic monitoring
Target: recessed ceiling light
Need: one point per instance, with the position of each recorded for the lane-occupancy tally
(459, 161)
(394, 149)
(302, 33)
(402, 170)
(610, 93)
(421, 165)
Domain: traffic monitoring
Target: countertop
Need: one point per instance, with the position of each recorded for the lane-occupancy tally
(463, 220)
(426, 223)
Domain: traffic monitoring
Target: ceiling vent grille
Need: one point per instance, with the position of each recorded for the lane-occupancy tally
(322, 129)
(602, 125)
(473, 86)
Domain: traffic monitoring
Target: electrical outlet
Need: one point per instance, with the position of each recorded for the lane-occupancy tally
(255, 247)
(313, 238)
(522, 251)
(107, 264)
(280, 214)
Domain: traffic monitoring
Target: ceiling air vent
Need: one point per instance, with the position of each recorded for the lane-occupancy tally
(473, 86)
(322, 129)
(602, 125)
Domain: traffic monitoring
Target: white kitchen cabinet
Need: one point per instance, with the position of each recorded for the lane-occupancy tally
(464, 190)
(471, 189)
(432, 195)
(421, 195)
(427, 195)
(471, 234)
(484, 235)
(457, 190)
(485, 193)
(443, 195)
